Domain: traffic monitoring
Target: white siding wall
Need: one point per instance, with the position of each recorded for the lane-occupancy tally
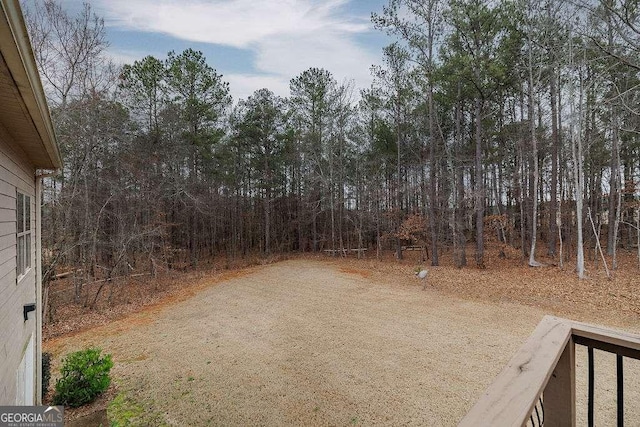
(16, 174)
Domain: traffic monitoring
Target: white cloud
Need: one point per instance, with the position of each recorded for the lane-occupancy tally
(122, 57)
(237, 23)
(243, 85)
(334, 52)
(285, 36)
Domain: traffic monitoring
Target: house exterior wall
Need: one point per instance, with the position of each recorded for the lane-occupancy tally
(16, 174)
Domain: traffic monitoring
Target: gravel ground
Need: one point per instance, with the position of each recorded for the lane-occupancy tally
(306, 343)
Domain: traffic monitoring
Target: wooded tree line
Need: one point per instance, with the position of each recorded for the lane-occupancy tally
(512, 121)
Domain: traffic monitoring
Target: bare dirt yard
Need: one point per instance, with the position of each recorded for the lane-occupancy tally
(323, 342)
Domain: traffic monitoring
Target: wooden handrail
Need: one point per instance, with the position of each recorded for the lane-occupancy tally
(545, 366)
(510, 399)
(609, 340)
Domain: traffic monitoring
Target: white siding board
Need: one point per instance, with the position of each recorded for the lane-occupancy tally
(8, 268)
(21, 178)
(9, 315)
(8, 336)
(7, 201)
(15, 173)
(7, 227)
(14, 338)
(8, 369)
(11, 310)
(12, 313)
(8, 293)
(7, 189)
(14, 351)
(7, 214)
(5, 278)
(16, 163)
(25, 288)
(7, 241)
(12, 171)
(7, 253)
(6, 307)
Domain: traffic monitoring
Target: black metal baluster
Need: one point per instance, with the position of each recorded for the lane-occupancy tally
(620, 378)
(542, 410)
(538, 416)
(591, 388)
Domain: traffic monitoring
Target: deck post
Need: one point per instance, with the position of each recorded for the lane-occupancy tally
(559, 396)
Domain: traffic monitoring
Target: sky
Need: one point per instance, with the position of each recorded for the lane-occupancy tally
(252, 43)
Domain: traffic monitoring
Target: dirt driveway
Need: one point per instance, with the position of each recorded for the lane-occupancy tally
(306, 343)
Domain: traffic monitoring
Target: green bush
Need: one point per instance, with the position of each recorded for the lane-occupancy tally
(84, 376)
(46, 373)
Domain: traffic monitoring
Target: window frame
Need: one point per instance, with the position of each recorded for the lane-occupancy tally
(24, 235)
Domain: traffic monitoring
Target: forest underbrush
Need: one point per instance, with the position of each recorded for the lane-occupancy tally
(506, 278)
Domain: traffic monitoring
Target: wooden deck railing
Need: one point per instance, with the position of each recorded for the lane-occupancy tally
(537, 387)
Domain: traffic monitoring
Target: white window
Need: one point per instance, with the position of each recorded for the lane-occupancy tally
(23, 214)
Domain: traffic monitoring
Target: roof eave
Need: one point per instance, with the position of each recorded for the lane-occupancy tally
(19, 57)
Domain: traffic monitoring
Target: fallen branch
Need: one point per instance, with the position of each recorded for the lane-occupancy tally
(604, 261)
(58, 291)
(66, 274)
(111, 279)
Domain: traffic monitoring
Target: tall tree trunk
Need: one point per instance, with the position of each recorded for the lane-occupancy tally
(555, 143)
(614, 179)
(521, 199)
(431, 8)
(398, 186)
(534, 154)
(578, 165)
(332, 198)
(432, 180)
(618, 207)
(267, 208)
(614, 189)
(479, 187)
(459, 208)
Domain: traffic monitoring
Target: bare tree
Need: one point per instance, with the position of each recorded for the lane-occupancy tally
(575, 130)
(68, 49)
